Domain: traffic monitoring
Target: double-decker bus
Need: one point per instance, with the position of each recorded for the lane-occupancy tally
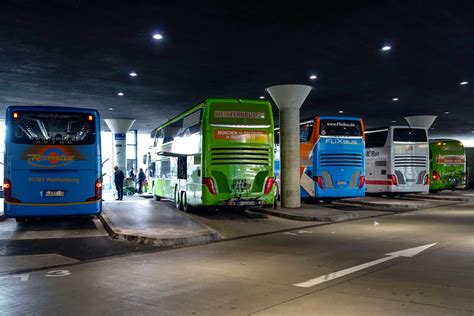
(218, 153)
(332, 157)
(397, 160)
(52, 162)
(447, 164)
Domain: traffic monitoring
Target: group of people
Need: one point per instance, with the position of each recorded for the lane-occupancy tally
(119, 177)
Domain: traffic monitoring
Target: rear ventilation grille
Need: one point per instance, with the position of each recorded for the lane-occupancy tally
(341, 160)
(240, 156)
(410, 161)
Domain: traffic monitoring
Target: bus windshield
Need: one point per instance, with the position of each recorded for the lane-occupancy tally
(48, 128)
(409, 135)
(340, 128)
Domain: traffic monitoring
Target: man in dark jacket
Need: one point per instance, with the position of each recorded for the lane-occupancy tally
(118, 180)
(141, 179)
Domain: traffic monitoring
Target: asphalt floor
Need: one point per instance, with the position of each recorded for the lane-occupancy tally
(83, 271)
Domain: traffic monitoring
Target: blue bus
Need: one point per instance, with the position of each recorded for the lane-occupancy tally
(332, 157)
(52, 162)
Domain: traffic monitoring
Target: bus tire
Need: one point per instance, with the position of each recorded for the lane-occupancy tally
(184, 202)
(20, 219)
(177, 201)
(156, 197)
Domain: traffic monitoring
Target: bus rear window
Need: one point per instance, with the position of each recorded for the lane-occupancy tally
(340, 128)
(53, 128)
(409, 135)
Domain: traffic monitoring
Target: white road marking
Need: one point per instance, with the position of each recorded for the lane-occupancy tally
(57, 273)
(288, 233)
(22, 277)
(328, 277)
(305, 232)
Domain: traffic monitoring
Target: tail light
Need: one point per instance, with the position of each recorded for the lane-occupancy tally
(98, 191)
(7, 192)
(269, 185)
(427, 179)
(436, 176)
(393, 179)
(209, 183)
(320, 182)
(361, 182)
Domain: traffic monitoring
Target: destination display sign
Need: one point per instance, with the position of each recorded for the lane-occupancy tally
(244, 136)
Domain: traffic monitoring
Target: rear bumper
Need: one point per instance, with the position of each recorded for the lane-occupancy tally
(33, 210)
(339, 193)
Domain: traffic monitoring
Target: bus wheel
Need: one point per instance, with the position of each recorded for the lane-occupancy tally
(177, 201)
(184, 202)
(156, 197)
(20, 219)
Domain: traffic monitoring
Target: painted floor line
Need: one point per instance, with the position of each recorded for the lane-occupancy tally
(328, 277)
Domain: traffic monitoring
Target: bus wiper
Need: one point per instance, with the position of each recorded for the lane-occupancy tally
(42, 129)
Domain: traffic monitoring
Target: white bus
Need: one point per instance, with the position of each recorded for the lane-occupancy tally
(397, 157)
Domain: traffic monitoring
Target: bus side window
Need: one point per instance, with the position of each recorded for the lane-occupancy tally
(151, 170)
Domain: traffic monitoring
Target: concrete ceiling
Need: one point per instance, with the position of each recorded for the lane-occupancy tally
(79, 53)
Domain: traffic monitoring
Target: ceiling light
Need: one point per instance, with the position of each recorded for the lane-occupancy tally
(121, 94)
(432, 128)
(472, 131)
(261, 97)
(111, 108)
(133, 74)
(157, 36)
(386, 48)
(462, 83)
(447, 112)
(394, 121)
(313, 77)
(395, 99)
(341, 111)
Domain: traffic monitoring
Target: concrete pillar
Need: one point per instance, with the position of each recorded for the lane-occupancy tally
(119, 128)
(424, 121)
(289, 99)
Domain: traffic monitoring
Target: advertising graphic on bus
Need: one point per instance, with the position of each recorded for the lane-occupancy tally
(52, 162)
(332, 157)
(218, 153)
(397, 160)
(447, 164)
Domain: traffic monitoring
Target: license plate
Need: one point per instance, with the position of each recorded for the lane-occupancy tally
(341, 182)
(54, 193)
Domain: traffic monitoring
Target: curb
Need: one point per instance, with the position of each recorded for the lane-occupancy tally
(327, 219)
(387, 207)
(439, 198)
(159, 242)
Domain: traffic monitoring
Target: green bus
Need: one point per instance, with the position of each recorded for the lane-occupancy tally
(447, 164)
(219, 153)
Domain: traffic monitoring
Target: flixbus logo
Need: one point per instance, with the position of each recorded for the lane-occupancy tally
(50, 157)
(341, 141)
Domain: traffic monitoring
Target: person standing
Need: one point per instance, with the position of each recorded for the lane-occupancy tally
(118, 180)
(141, 180)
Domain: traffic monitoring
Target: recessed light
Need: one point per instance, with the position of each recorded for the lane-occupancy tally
(447, 112)
(313, 77)
(394, 121)
(395, 99)
(157, 36)
(432, 128)
(386, 48)
(133, 74)
(340, 111)
(121, 94)
(462, 83)
(111, 108)
(261, 97)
